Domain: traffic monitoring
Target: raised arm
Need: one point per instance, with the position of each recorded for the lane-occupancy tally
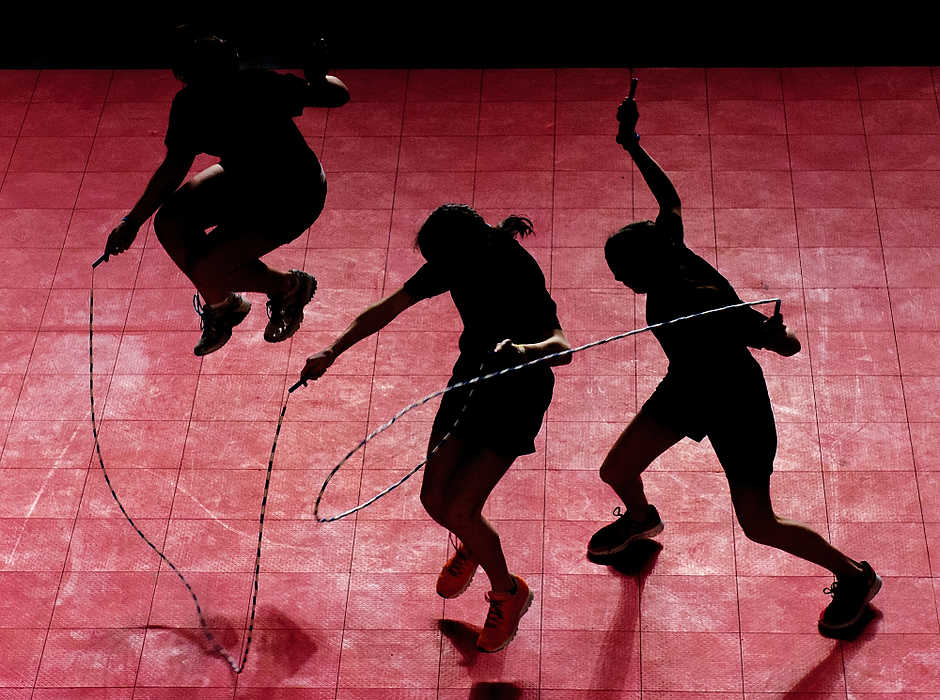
(370, 321)
(324, 90)
(657, 180)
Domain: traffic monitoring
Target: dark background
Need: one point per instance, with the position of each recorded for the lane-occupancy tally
(503, 34)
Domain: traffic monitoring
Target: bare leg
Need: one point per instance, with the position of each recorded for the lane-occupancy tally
(225, 260)
(231, 263)
(757, 518)
(457, 481)
(641, 442)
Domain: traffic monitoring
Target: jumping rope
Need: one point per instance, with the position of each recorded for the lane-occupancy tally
(239, 666)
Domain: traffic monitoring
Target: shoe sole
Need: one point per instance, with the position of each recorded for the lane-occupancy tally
(461, 591)
(294, 327)
(872, 592)
(236, 319)
(645, 535)
(505, 644)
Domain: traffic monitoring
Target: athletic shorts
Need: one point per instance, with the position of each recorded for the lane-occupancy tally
(282, 208)
(732, 410)
(503, 414)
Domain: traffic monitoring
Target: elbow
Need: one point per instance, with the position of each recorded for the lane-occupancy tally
(339, 93)
(341, 98)
(565, 347)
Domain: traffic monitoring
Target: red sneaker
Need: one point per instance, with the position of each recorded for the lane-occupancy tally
(457, 574)
(502, 621)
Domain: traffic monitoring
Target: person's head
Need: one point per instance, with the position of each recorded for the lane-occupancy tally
(201, 58)
(638, 255)
(456, 230)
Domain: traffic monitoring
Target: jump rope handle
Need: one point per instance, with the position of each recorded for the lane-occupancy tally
(104, 258)
(633, 82)
(777, 308)
(299, 383)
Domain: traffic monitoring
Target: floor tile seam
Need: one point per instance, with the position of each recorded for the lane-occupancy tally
(19, 131)
(920, 501)
(731, 516)
(160, 568)
(803, 288)
(90, 463)
(638, 313)
(3, 179)
(349, 567)
(287, 368)
(551, 258)
(424, 521)
(476, 169)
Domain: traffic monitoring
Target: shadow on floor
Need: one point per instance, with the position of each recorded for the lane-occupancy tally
(494, 691)
(281, 647)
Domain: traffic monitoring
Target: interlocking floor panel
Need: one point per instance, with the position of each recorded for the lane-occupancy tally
(817, 185)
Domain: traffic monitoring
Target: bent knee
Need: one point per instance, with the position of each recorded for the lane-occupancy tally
(434, 506)
(167, 220)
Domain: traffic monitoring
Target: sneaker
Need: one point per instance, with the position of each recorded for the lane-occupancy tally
(457, 574)
(849, 600)
(286, 313)
(615, 537)
(502, 621)
(217, 321)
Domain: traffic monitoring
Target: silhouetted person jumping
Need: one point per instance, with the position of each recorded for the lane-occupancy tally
(508, 318)
(267, 188)
(713, 387)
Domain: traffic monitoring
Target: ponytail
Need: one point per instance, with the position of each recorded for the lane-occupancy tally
(513, 226)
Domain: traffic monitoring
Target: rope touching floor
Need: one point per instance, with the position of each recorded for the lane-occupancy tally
(239, 666)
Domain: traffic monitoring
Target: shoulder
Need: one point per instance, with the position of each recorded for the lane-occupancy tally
(669, 221)
(183, 97)
(265, 78)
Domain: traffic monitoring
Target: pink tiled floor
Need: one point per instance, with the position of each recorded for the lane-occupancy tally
(818, 185)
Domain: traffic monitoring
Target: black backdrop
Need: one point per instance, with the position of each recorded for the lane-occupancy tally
(493, 34)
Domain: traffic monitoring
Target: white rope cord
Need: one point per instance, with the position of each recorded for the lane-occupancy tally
(239, 666)
(485, 377)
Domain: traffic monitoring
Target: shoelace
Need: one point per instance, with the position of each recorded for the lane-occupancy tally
(460, 560)
(202, 312)
(458, 564)
(279, 304)
(271, 307)
(832, 590)
(495, 615)
(619, 512)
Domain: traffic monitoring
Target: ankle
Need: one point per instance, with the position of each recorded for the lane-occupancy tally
(853, 570)
(639, 513)
(508, 586)
(220, 302)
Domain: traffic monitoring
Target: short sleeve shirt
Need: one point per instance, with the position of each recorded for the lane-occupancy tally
(247, 123)
(715, 341)
(499, 293)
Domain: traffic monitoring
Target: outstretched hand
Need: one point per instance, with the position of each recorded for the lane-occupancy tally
(121, 237)
(317, 365)
(627, 116)
(778, 338)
